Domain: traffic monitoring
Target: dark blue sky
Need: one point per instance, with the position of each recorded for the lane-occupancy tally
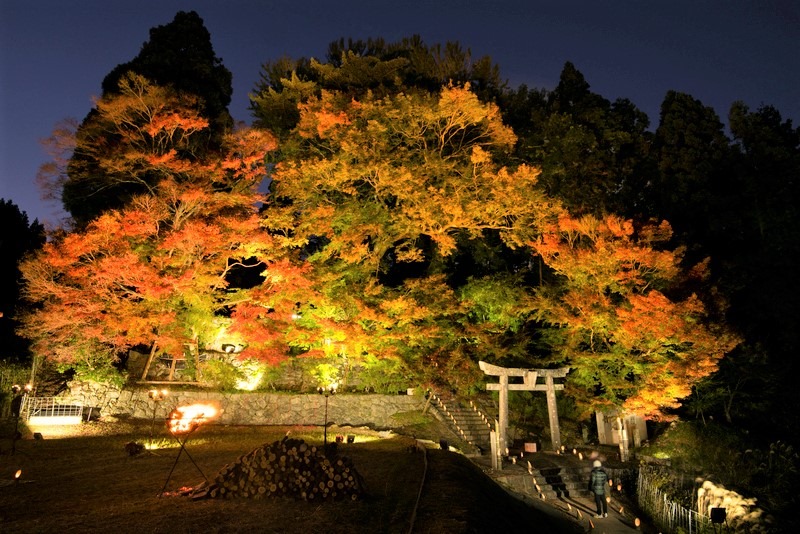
(55, 53)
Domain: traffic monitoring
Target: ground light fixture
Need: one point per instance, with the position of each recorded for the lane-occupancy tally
(330, 390)
(156, 395)
(718, 516)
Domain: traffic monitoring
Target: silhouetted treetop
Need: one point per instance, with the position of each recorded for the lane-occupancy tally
(357, 66)
(180, 54)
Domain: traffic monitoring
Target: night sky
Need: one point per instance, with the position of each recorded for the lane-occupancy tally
(55, 53)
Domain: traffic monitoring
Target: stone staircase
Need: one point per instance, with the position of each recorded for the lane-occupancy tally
(551, 482)
(557, 482)
(466, 419)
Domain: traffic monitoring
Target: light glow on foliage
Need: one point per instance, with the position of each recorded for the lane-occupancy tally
(613, 322)
(251, 374)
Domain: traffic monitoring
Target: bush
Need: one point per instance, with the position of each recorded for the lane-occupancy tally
(382, 375)
(99, 370)
(220, 374)
(234, 374)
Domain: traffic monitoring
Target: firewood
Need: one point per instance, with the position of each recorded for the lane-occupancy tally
(289, 467)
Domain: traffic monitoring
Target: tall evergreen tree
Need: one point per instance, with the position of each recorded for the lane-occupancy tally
(692, 154)
(589, 149)
(760, 227)
(18, 239)
(178, 56)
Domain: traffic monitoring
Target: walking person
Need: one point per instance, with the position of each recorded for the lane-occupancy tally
(598, 484)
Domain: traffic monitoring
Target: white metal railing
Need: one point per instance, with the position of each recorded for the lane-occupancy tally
(667, 514)
(51, 408)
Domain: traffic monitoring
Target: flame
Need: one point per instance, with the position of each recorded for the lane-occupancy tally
(18, 474)
(187, 418)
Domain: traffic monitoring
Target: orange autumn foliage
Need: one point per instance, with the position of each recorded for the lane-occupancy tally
(157, 270)
(612, 320)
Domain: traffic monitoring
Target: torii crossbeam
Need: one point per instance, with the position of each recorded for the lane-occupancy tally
(529, 377)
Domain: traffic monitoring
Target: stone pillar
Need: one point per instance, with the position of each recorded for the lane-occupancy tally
(552, 412)
(503, 413)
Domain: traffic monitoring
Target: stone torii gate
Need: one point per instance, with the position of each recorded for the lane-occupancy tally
(529, 377)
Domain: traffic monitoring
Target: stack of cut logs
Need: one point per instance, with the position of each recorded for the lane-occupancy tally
(290, 468)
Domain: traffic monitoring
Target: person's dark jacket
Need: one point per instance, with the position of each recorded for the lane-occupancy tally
(598, 481)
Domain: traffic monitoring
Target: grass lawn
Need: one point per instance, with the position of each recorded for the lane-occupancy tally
(89, 483)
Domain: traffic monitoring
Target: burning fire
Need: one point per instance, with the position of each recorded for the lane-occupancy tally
(187, 418)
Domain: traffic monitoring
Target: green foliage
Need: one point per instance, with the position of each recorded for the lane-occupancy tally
(528, 414)
(592, 152)
(220, 374)
(497, 301)
(387, 375)
(95, 365)
(12, 374)
(773, 474)
(327, 375)
(237, 374)
(692, 447)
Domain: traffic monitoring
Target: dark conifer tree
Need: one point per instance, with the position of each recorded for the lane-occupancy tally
(19, 238)
(178, 55)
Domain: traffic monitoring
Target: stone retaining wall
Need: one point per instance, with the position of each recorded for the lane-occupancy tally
(372, 410)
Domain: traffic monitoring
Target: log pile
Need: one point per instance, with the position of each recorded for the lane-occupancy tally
(286, 468)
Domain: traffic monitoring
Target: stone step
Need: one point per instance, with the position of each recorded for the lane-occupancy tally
(561, 481)
(481, 429)
(462, 410)
(470, 414)
(547, 486)
(471, 429)
(464, 420)
(476, 438)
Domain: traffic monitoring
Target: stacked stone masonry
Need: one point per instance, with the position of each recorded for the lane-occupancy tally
(373, 410)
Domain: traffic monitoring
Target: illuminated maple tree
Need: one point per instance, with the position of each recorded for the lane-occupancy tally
(372, 200)
(156, 271)
(629, 344)
(380, 185)
(376, 175)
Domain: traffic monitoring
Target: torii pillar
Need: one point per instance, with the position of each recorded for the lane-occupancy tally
(529, 377)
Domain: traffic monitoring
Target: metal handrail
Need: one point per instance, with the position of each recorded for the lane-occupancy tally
(50, 407)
